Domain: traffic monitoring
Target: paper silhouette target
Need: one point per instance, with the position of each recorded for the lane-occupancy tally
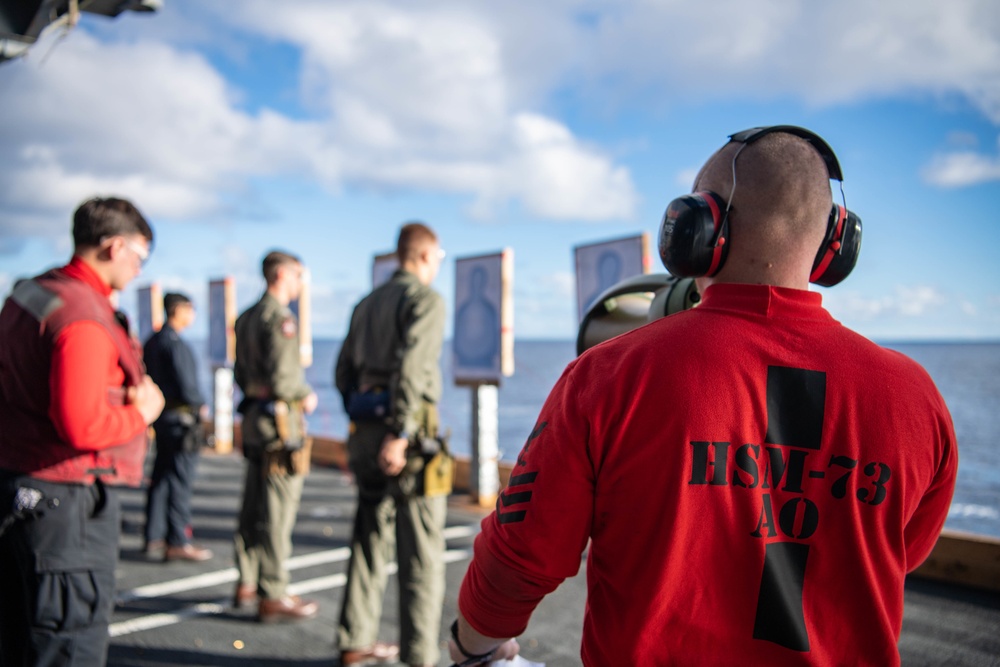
(482, 344)
(601, 265)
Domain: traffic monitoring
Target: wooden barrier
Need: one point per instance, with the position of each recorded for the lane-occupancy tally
(964, 558)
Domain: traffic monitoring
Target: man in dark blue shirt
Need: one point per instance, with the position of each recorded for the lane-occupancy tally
(170, 362)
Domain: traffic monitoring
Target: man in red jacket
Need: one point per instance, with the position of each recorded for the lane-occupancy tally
(754, 479)
(75, 404)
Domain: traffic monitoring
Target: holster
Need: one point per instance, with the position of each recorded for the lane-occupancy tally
(293, 456)
(22, 505)
(290, 423)
(438, 473)
(301, 458)
(275, 462)
(429, 458)
(285, 462)
(180, 429)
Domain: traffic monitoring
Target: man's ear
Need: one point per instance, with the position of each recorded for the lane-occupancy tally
(111, 250)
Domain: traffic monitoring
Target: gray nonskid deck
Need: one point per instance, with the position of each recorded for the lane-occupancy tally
(179, 614)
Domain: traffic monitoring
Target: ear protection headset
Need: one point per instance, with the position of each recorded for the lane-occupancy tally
(694, 233)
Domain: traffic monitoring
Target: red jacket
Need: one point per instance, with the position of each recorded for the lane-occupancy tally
(65, 366)
(754, 481)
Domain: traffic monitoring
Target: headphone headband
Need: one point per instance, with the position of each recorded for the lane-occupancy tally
(817, 142)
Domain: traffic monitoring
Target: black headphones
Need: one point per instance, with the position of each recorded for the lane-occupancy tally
(694, 233)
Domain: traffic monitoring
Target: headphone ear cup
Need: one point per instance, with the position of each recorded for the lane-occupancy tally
(838, 254)
(694, 235)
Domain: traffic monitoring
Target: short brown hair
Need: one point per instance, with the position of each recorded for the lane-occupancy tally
(782, 195)
(98, 218)
(413, 237)
(274, 260)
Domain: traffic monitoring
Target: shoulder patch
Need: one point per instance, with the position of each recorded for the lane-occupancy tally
(288, 327)
(37, 300)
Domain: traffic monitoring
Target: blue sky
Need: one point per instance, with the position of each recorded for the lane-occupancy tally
(320, 127)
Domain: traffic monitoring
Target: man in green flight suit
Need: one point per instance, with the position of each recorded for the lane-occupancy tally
(268, 370)
(389, 375)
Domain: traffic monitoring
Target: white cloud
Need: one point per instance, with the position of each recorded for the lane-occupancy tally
(450, 96)
(560, 284)
(544, 304)
(685, 177)
(451, 77)
(403, 98)
(143, 121)
(962, 168)
(821, 52)
(913, 301)
(557, 177)
(961, 139)
(904, 301)
(418, 98)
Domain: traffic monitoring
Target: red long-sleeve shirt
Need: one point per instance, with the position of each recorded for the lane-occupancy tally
(84, 365)
(754, 481)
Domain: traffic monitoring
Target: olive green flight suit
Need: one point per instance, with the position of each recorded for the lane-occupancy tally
(269, 371)
(394, 344)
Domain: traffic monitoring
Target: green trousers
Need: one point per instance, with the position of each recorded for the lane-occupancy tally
(388, 520)
(263, 538)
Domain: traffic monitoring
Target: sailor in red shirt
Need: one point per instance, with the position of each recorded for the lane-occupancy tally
(74, 406)
(754, 479)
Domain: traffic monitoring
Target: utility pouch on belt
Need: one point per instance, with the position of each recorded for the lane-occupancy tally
(368, 405)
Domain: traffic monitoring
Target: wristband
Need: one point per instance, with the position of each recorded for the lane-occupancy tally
(470, 658)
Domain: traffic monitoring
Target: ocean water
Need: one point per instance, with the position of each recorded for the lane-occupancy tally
(967, 375)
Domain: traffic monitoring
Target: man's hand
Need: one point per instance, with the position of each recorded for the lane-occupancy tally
(147, 398)
(475, 643)
(392, 457)
(309, 403)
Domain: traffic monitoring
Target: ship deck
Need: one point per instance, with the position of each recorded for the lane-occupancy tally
(178, 613)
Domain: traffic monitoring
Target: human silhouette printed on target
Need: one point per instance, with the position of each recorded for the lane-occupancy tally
(609, 272)
(477, 334)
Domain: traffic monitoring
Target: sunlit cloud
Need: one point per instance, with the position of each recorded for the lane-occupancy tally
(440, 97)
(503, 108)
(544, 303)
(685, 178)
(904, 301)
(404, 99)
(962, 168)
(561, 284)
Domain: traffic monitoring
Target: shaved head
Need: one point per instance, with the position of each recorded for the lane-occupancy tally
(779, 207)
